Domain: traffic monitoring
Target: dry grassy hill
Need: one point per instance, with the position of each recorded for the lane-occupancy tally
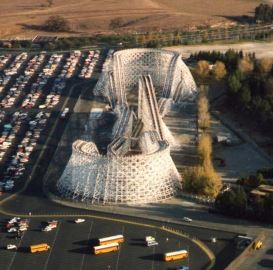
(17, 17)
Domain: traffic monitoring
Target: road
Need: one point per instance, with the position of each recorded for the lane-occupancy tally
(261, 49)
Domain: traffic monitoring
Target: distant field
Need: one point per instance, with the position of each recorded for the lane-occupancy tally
(17, 17)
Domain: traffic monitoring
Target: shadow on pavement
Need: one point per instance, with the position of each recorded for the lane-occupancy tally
(266, 263)
(153, 257)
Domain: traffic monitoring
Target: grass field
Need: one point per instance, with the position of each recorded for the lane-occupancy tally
(20, 17)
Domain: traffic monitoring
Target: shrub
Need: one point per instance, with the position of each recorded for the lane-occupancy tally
(203, 182)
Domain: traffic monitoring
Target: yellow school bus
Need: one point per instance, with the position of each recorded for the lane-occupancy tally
(111, 239)
(39, 248)
(175, 255)
(105, 248)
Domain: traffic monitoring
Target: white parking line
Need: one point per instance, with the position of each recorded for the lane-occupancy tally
(119, 249)
(88, 239)
(153, 261)
(52, 246)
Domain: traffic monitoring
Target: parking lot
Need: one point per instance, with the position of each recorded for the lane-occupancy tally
(71, 247)
(33, 93)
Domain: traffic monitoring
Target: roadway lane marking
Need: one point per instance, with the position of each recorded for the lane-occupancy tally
(119, 248)
(15, 252)
(153, 261)
(88, 236)
(52, 246)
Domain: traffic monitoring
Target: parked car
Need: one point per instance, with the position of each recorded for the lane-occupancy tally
(187, 219)
(11, 246)
(79, 220)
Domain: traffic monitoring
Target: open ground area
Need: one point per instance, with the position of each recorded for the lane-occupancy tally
(19, 18)
(261, 49)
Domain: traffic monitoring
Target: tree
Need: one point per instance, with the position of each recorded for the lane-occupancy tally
(264, 13)
(204, 149)
(203, 112)
(265, 65)
(219, 70)
(198, 181)
(269, 88)
(202, 68)
(202, 179)
(245, 65)
(245, 96)
(234, 83)
(232, 202)
(56, 24)
(116, 23)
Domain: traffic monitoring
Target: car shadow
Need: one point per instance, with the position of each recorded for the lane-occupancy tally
(153, 257)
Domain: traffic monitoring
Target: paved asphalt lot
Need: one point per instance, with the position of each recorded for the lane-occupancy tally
(71, 248)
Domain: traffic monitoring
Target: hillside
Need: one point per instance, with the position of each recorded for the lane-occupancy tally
(20, 18)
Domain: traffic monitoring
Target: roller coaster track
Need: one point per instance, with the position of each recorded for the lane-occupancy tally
(148, 89)
(169, 77)
(122, 122)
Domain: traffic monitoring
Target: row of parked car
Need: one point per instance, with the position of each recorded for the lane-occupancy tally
(37, 87)
(21, 81)
(4, 59)
(4, 80)
(16, 64)
(71, 64)
(17, 164)
(59, 84)
(89, 64)
(10, 131)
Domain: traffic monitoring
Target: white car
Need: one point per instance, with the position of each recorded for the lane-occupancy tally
(11, 246)
(47, 229)
(15, 219)
(79, 220)
(23, 228)
(149, 238)
(65, 112)
(151, 243)
(187, 219)
(12, 229)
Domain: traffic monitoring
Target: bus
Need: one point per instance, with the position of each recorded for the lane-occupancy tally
(105, 248)
(39, 248)
(175, 255)
(111, 239)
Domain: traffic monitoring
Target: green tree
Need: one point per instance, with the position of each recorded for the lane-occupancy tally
(245, 96)
(234, 83)
(264, 13)
(232, 202)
